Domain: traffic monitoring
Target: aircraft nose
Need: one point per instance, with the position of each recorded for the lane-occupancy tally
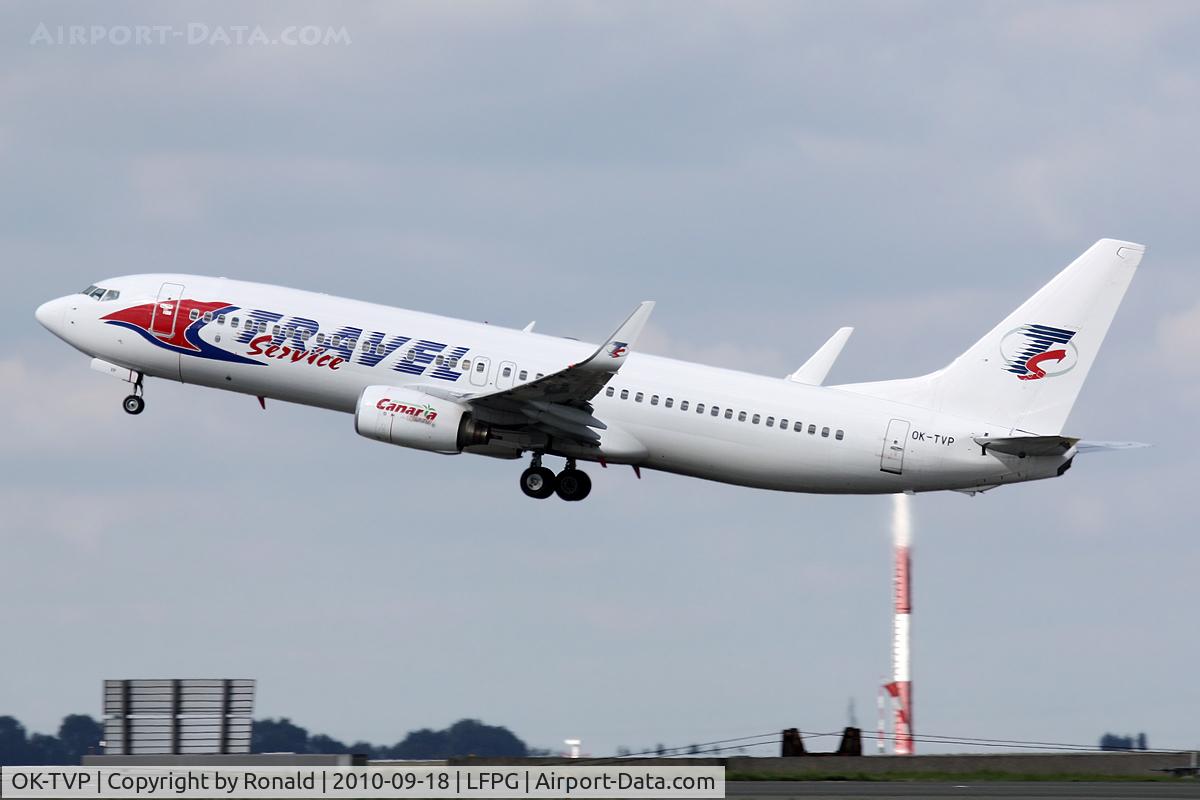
(51, 314)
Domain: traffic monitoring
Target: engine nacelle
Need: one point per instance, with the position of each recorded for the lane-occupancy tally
(411, 418)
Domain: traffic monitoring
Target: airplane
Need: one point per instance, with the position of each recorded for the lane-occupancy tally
(992, 417)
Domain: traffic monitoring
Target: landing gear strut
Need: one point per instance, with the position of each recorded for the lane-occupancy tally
(134, 404)
(537, 481)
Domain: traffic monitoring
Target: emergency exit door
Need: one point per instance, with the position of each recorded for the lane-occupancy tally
(166, 309)
(894, 442)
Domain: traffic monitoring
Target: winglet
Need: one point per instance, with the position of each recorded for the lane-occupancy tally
(818, 365)
(612, 354)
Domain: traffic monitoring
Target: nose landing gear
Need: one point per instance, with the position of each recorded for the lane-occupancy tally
(134, 404)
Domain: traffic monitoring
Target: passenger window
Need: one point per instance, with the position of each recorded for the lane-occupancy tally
(334, 341)
(480, 366)
(699, 408)
(320, 337)
(670, 401)
(715, 411)
(221, 319)
(507, 371)
(783, 424)
(624, 394)
(466, 365)
(291, 332)
(541, 375)
(798, 427)
(741, 416)
(839, 434)
(453, 362)
(812, 429)
(754, 419)
(683, 405)
(609, 392)
(379, 350)
(233, 323)
(524, 375)
(729, 413)
(366, 347)
(770, 422)
(653, 399)
(825, 432)
(194, 315)
(637, 398)
(208, 316)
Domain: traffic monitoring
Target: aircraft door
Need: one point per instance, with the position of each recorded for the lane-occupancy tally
(480, 368)
(894, 443)
(507, 375)
(166, 309)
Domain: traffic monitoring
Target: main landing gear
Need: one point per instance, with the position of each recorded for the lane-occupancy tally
(134, 404)
(571, 484)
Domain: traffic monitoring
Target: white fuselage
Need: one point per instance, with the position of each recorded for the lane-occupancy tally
(836, 440)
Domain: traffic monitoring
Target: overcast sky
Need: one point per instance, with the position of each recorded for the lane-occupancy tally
(766, 172)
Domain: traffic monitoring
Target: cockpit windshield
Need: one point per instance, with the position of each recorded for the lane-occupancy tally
(100, 293)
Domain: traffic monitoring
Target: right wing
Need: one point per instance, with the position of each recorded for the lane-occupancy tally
(559, 404)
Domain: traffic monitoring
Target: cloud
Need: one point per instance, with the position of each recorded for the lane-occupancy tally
(1178, 338)
(768, 172)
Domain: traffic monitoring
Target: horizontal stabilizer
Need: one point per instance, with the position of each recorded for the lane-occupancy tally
(1026, 445)
(1099, 447)
(818, 365)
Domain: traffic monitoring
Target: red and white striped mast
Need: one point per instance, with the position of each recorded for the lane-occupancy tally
(901, 685)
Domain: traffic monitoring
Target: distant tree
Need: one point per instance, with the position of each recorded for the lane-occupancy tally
(45, 749)
(1111, 741)
(278, 736)
(470, 737)
(660, 749)
(76, 735)
(321, 743)
(622, 751)
(467, 737)
(1141, 742)
(14, 747)
(79, 735)
(423, 743)
(694, 750)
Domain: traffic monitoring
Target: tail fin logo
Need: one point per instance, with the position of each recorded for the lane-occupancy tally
(618, 349)
(1033, 352)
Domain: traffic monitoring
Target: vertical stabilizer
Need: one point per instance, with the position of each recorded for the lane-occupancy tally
(1026, 373)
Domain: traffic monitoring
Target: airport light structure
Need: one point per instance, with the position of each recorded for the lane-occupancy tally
(574, 745)
(901, 686)
(881, 720)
